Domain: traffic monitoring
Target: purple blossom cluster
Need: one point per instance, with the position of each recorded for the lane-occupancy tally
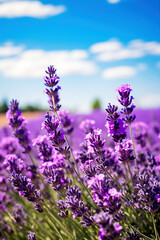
(18, 124)
(106, 188)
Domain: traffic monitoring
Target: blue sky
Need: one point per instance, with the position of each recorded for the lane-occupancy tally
(96, 45)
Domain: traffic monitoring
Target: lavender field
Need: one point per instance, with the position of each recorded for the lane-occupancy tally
(89, 176)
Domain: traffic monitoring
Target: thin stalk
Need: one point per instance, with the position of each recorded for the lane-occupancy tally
(78, 229)
(54, 226)
(57, 220)
(32, 159)
(78, 175)
(118, 185)
(141, 234)
(134, 151)
(130, 173)
(155, 229)
(65, 137)
(127, 177)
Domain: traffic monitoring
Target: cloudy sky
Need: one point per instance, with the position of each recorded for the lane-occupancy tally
(95, 45)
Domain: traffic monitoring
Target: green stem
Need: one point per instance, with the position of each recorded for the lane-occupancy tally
(141, 234)
(32, 159)
(134, 151)
(130, 173)
(127, 177)
(114, 180)
(54, 226)
(155, 229)
(79, 177)
(72, 156)
(57, 220)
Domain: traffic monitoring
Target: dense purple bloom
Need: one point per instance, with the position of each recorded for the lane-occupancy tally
(116, 129)
(65, 121)
(141, 134)
(109, 230)
(63, 207)
(124, 90)
(56, 134)
(18, 124)
(125, 150)
(13, 163)
(107, 198)
(9, 145)
(44, 150)
(87, 125)
(51, 123)
(148, 192)
(126, 100)
(26, 189)
(55, 177)
(5, 200)
(74, 202)
(94, 140)
(31, 236)
(19, 214)
(51, 81)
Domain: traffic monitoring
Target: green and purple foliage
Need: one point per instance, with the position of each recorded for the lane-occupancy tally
(80, 177)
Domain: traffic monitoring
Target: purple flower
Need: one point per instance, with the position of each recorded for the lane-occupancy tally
(116, 129)
(31, 236)
(148, 192)
(63, 207)
(74, 202)
(50, 123)
(87, 125)
(66, 121)
(55, 177)
(18, 123)
(19, 214)
(44, 150)
(26, 189)
(9, 145)
(13, 163)
(126, 100)
(125, 150)
(124, 90)
(51, 81)
(109, 230)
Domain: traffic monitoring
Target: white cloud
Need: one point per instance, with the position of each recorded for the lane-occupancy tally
(108, 46)
(120, 55)
(119, 72)
(149, 101)
(31, 63)
(36, 9)
(10, 50)
(114, 50)
(148, 47)
(113, 1)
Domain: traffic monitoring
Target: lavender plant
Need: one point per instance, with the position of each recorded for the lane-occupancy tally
(107, 188)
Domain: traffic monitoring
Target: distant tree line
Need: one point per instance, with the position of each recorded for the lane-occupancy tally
(34, 108)
(28, 108)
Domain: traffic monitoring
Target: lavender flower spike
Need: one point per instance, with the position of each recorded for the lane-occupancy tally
(27, 189)
(31, 236)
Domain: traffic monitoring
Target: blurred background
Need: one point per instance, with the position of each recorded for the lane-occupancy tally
(95, 45)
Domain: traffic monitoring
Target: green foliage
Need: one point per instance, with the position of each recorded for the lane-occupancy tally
(27, 108)
(3, 107)
(96, 104)
(30, 108)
